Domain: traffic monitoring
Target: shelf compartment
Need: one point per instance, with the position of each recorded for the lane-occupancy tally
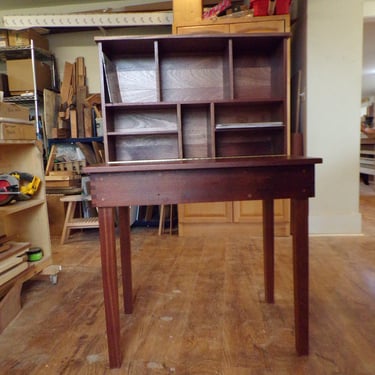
(189, 72)
(137, 79)
(249, 112)
(249, 128)
(130, 70)
(142, 119)
(249, 141)
(259, 67)
(25, 221)
(196, 130)
(145, 147)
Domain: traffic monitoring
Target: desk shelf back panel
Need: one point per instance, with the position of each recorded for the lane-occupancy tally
(194, 96)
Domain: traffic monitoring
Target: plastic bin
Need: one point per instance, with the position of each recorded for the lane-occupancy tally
(282, 6)
(260, 7)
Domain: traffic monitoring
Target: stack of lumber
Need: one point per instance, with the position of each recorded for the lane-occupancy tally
(13, 259)
(13, 262)
(78, 109)
(62, 175)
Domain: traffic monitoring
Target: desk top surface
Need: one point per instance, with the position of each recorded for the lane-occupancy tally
(204, 163)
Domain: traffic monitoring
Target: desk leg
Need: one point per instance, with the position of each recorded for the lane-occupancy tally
(300, 210)
(110, 287)
(124, 227)
(268, 250)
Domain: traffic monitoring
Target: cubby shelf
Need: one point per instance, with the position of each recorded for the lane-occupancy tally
(194, 96)
(26, 220)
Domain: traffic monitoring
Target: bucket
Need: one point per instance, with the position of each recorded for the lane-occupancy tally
(260, 7)
(282, 6)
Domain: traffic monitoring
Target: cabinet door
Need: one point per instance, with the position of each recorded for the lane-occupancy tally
(218, 212)
(206, 29)
(251, 211)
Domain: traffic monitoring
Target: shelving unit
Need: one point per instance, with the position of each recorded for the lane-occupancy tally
(35, 99)
(178, 97)
(26, 221)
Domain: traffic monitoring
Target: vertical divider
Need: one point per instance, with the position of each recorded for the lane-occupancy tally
(212, 132)
(103, 95)
(230, 69)
(179, 131)
(159, 97)
(287, 97)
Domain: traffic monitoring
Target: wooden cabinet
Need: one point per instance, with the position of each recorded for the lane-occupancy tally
(244, 25)
(187, 19)
(195, 96)
(26, 221)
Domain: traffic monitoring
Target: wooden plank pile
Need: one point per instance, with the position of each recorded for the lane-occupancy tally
(13, 259)
(13, 263)
(72, 115)
(62, 175)
(77, 109)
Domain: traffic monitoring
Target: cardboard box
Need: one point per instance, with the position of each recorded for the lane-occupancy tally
(14, 111)
(12, 131)
(20, 75)
(3, 38)
(22, 38)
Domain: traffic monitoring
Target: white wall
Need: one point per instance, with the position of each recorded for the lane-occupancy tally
(334, 65)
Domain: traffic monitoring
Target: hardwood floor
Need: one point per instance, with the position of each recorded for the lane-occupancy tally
(199, 309)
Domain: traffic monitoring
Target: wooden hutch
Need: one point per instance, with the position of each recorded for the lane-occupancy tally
(244, 216)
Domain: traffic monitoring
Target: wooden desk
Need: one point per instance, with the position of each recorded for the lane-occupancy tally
(209, 180)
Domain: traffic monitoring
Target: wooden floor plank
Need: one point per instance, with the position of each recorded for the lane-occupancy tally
(199, 309)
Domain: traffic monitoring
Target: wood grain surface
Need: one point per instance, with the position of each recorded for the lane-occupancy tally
(199, 309)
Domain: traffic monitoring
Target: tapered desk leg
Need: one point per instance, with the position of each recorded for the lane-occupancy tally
(124, 227)
(268, 250)
(300, 210)
(110, 287)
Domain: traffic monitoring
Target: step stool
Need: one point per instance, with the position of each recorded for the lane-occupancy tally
(76, 223)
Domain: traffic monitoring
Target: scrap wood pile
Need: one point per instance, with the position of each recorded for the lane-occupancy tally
(65, 163)
(78, 113)
(13, 258)
(78, 110)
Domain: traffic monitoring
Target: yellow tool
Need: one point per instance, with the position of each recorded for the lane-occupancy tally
(28, 184)
(17, 186)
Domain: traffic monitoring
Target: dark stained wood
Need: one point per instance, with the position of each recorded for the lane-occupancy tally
(207, 181)
(301, 273)
(213, 181)
(202, 81)
(124, 228)
(109, 274)
(268, 250)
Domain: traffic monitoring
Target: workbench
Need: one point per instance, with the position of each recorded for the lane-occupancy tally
(202, 180)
